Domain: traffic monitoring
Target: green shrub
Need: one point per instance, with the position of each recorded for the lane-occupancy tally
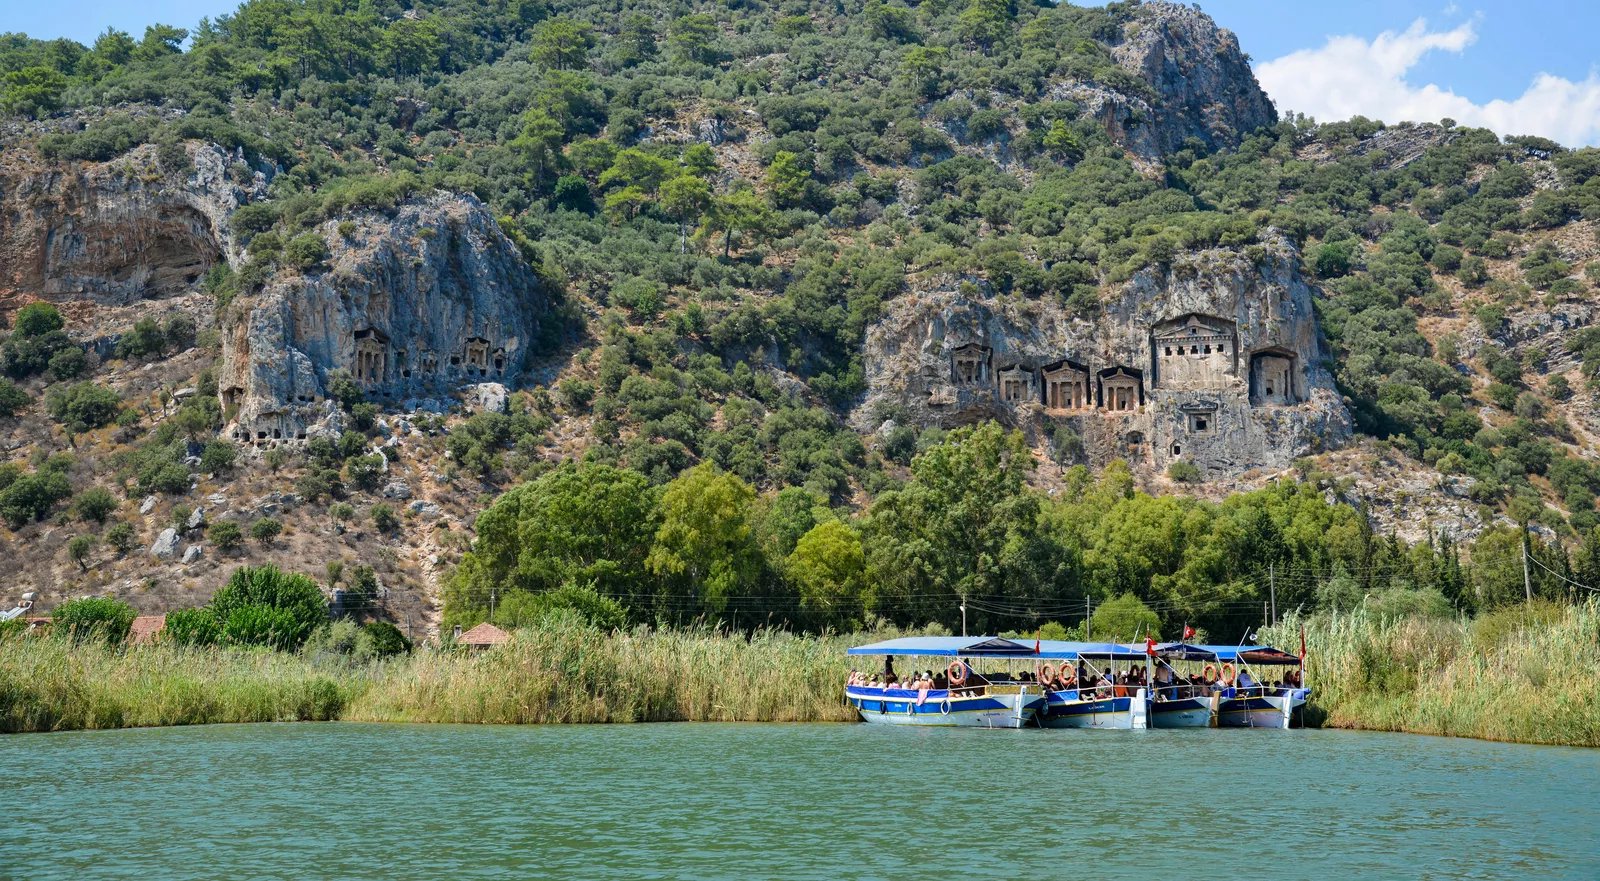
(1184, 471)
(121, 537)
(82, 407)
(260, 625)
(306, 251)
(31, 496)
(193, 627)
(525, 609)
(12, 398)
(95, 503)
(266, 530)
(226, 535)
(293, 596)
(384, 518)
(78, 548)
(144, 340)
(92, 618)
(383, 640)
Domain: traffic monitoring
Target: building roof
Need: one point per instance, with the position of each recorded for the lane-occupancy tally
(484, 634)
(146, 627)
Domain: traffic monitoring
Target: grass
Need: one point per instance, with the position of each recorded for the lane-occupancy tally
(1529, 674)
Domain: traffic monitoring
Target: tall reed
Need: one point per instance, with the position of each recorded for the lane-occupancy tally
(51, 684)
(1529, 674)
(567, 672)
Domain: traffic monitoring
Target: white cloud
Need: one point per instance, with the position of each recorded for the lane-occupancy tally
(1352, 76)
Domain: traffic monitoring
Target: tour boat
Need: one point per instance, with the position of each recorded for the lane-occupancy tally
(983, 690)
(1254, 702)
(1106, 706)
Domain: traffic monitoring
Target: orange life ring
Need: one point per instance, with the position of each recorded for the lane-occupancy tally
(957, 672)
(1209, 674)
(1229, 674)
(1045, 672)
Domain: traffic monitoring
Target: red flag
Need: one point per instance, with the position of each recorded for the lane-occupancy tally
(1302, 644)
(1036, 645)
(1188, 632)
(1149, 646)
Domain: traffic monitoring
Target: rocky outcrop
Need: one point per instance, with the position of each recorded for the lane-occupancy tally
(417, 303)
(1216, 360)
(1201, 85)
(118, 231)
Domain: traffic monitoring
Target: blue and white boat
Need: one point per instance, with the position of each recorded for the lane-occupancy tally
(1241, 698)
(982, 687)
(1106, 706)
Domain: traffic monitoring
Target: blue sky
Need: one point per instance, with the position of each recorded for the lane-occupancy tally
(1516, 66)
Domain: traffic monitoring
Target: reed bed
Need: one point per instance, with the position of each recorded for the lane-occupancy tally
(567, 672)
(49, 684)
(1528, 674)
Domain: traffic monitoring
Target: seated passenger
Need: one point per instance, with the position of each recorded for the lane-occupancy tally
(1245, 680)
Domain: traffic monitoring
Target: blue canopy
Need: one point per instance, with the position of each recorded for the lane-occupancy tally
(1108, 651)
(1248, 654)
(946, 646)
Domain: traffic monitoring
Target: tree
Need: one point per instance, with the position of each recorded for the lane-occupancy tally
(193, 627)
(829, 567)
(36, 320)
(539, 142)
(410, 47)
(739, 211)
(705, 542)
(294, 604)
(588, 524)
(1124, 618)
(384, 519)
(693, 38)
(561, 43)
(32, 91)
(121, 537)
(685, 199)
(78, 549)
(788, 177)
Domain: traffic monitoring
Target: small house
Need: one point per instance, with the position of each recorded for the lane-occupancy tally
(483, 636)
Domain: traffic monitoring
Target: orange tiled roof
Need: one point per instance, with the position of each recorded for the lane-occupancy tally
(484, 634)
(145, 628)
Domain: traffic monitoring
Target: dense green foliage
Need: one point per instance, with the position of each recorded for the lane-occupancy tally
(966, 528)
(100, 618)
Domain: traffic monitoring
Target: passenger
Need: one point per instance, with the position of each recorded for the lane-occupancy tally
(941, 681)
(1245, 680)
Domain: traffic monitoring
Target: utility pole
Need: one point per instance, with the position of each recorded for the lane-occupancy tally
(491, 603)
(1527, 580)
(1272, 588)
(1088, 612)
(963, 617)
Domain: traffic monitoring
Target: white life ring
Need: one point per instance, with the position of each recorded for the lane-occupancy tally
(944, 707)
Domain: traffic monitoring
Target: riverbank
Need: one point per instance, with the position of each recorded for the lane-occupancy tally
(1529, 674)
(1524, 674)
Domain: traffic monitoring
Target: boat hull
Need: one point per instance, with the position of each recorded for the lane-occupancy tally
(1066, 709)
(899, 707)
(1262, 710)
(1189, 712)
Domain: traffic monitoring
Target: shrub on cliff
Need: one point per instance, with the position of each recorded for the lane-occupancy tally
(82, 407)
(12, 399)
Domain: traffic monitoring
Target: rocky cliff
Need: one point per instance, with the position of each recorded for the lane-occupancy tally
(409, 305)
(1201, 86)
(1216, 360)
(119, 231)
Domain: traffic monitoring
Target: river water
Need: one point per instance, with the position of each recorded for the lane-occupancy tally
(699, 801)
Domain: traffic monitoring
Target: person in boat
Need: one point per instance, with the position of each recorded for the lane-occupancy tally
(941, 681)
(1244, 680)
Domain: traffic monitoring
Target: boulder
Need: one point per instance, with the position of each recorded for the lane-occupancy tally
(488, 397)
(197, 518)
(166, 544)
(397, 489)
(191, 554)
(148, 505)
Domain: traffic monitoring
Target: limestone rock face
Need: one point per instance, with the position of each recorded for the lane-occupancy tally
(1201, 83)
(1217, 360)
(166, 544)
(425, 301)
(121, 230)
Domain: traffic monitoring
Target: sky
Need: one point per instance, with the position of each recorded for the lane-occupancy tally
(1514, 66)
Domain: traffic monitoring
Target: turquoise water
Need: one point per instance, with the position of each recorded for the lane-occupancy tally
(788, 801)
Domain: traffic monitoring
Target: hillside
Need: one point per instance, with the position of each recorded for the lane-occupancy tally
(355, 270)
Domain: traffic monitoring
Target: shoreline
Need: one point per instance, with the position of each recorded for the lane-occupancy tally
(1529, 676)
